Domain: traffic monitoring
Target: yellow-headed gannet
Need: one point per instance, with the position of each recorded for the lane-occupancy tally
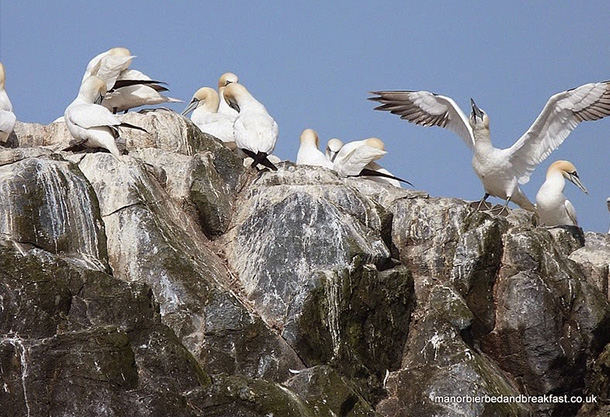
(552, 206)
(502, 170)
(255, 130)
(354, 159)
(90, 123)
(204, 106)
(309, 154)
(7, 117)
(224, 80)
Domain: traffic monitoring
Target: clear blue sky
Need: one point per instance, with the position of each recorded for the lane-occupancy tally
(313, 63)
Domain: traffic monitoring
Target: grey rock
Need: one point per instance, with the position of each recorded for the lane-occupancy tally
(175, 281)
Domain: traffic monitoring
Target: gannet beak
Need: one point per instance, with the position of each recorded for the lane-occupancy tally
(99, 99)
(475, 110)
(192, 106)
(234, 105)
(573, 177)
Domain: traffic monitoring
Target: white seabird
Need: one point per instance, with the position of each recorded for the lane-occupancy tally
(502, 170)
(91, 124)
(255, 130)
(7, 117)
(224, 80)
(356, 159)
(126, 88)
(204, 106)
(552, 206)
(308, 153)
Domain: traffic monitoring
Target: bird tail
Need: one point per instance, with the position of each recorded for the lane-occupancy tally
(129, 125)
(371, 173)
(260, 158)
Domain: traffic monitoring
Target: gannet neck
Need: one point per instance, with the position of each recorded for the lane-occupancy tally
(91, 89)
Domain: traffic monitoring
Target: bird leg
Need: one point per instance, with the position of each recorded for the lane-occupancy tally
(504, 210)
(482, 203)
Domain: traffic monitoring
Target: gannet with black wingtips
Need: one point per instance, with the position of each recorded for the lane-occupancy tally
(354, 159)
(126, 88)
(134, 89)
(224, 80)
(204, 106)
(254, 129)
(502, 170)
(91, 124)
(308, 153)
(7, 117)
(553, 208)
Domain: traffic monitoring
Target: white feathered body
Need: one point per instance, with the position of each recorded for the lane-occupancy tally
(552, 206)
(216, 124)
(7, 117)
(254, 128)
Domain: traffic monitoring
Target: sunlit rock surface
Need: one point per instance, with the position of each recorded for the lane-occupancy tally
(174, 281)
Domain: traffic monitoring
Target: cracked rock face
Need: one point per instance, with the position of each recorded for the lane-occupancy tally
(174, 281)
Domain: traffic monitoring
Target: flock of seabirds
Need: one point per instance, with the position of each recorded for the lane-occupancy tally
(234, 116)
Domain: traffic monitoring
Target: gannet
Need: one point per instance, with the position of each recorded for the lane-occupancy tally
(354, 159)
(309, 154)
(134, 89)
(7, 117)
(502, 170)
(224, 80)
(126, 88)
(204, 106)
(90, 123)
(254, 129)
(333, 146)
(551, 205)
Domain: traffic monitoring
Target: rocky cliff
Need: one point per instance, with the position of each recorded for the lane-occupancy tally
(176, 282)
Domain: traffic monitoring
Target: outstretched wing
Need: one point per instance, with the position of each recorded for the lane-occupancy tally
(561, 114)
(426, 109)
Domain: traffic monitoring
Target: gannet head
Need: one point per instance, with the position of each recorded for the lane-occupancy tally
(2, 76)
(203, 95)
(119, 51)
(608, 203)
(478, 117)
(568, 171)
(310, 136)
(93, 89)
(333, 147)
(375, 143)
(226, 79)
(234, 93)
